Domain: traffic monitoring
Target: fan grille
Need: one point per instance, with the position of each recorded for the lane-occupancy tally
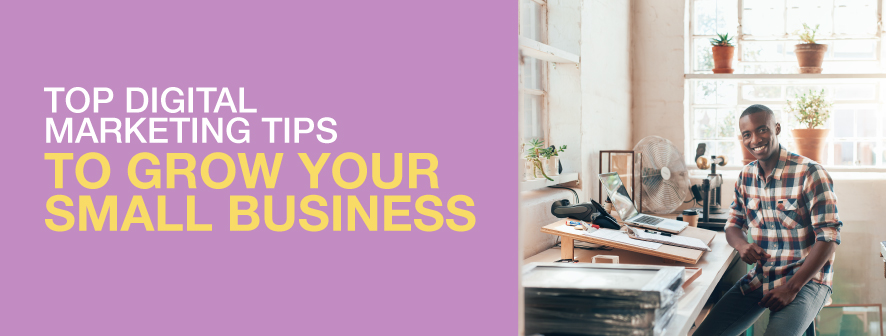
(661, 195)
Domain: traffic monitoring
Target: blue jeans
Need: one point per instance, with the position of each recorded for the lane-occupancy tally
(735, 313)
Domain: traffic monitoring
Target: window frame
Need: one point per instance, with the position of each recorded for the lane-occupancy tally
(879, 101)
(545, 84)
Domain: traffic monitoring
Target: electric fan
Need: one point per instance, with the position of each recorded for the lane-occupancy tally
(664, 180)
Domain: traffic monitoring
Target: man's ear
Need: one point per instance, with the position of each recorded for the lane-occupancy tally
(777, 128)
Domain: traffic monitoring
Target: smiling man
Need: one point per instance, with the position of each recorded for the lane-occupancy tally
(786, 202)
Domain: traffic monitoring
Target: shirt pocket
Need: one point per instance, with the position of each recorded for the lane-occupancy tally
(787, 213)
(753, 214)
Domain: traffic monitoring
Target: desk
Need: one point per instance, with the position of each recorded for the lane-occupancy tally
(713, 264)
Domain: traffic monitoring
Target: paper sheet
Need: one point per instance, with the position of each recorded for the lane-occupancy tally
(678, 240)
(621, 237)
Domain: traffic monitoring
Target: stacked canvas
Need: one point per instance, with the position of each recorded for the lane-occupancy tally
(600, 299)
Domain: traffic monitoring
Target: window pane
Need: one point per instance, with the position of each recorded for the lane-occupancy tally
(705, 17)
(710, 147)
(855, 17)
(763, 17)
(854, 50)
(753, 51)
(866, 123)
(715, 17)
(856, 92)
(704, 58)
(726, 92)
(714, 92)
(533, 111)
(729, 149)
(843, 153)
(726, 124)
(533, 73)
(844, 123)
(705, 121)
(761, 92)
(811, 12)
(851, 67)
(866, 156)
(532, 20)
(705, 92)
(794, 91)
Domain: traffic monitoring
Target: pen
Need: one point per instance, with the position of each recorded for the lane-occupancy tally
(659, 233)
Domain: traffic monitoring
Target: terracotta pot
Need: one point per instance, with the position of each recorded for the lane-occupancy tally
(810, 56)
(723, 59)
(811, 143)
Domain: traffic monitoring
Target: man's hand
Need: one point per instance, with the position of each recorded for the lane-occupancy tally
(751, 253)
(778, 298)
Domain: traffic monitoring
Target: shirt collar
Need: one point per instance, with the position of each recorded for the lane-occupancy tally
(779, 167)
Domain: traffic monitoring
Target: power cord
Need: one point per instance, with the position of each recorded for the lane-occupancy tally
(570, 189)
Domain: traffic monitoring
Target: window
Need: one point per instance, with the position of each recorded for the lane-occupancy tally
(764, 53)
(766, 37)
(533, 79)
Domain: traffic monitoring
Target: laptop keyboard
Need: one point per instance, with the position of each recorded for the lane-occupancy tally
(648, 220)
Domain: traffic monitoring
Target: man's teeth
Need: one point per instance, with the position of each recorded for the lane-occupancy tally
(759, 149)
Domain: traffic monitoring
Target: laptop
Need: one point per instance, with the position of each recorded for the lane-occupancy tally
(629, 214)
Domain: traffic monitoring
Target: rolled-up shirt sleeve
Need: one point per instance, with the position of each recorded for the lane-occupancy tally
(736, 210)
(821, 201)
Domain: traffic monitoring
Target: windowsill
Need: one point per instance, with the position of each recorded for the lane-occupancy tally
(782, 76)
(544, 183)
(535, 49)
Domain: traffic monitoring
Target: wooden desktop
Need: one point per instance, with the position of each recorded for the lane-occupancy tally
(712, 264)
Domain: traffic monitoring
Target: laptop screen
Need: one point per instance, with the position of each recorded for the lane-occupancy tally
(618, 195)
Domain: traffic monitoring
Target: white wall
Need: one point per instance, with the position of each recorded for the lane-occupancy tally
(606, 85)
(657, 79)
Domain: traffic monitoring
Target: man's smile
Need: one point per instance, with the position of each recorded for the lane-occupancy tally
(759, 149)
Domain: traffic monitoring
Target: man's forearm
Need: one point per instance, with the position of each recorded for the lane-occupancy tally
(735, 237)
(818, 255)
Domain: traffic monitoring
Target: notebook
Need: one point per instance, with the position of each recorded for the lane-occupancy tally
(687, 242)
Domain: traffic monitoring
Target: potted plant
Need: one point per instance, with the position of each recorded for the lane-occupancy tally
(553, 159)
(535, 159)
(723, 51)
(810, 55)
(812, 110)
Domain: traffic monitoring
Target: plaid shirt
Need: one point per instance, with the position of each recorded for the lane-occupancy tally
(785, 213)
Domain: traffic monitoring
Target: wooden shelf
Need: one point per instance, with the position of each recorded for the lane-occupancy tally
(544, 183)
(784, 76)
(535, 49)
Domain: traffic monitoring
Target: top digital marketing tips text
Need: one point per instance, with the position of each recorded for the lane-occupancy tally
(172, 100)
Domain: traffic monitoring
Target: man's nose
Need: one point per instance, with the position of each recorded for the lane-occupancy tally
(754, 139)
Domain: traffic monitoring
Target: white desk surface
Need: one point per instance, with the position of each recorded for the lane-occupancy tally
(713, 265)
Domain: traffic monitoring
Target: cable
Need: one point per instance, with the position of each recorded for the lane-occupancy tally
(570, 189)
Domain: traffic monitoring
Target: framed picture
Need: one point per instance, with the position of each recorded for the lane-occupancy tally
(621, 162)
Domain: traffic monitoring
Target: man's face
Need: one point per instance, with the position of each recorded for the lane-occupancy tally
(759, 134)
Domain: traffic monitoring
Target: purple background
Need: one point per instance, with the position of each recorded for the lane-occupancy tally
(398, 77)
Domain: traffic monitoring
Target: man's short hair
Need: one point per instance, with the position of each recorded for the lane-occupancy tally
(757, 108)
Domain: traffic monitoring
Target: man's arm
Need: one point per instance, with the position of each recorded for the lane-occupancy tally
(749, 252)
(736, 226)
